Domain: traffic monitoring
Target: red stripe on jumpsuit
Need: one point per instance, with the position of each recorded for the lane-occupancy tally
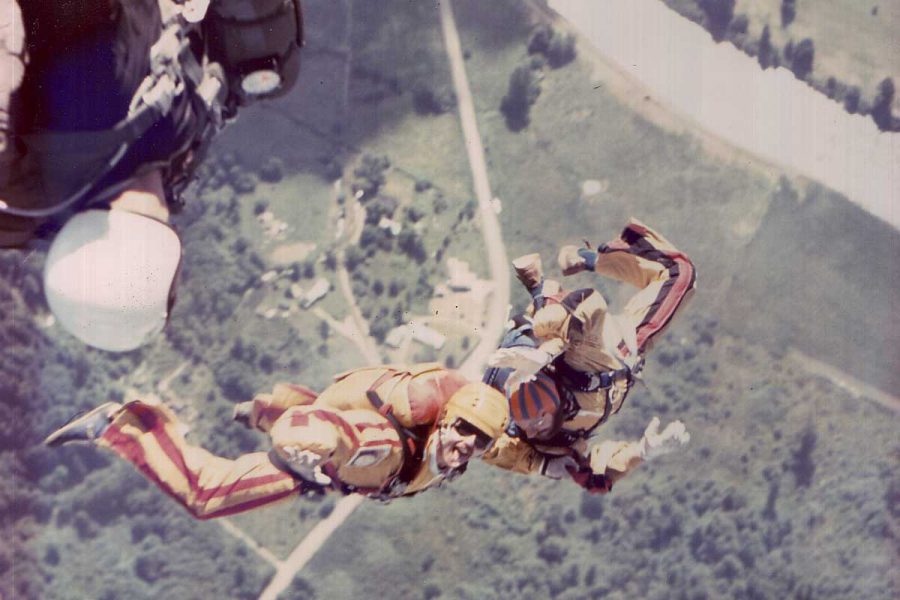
(673, 291)
(302, 420)
(669, 299)
(131, 450)
(361, 427)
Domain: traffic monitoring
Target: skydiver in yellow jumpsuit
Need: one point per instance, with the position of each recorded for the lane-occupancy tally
(383, 432)
(581, 360)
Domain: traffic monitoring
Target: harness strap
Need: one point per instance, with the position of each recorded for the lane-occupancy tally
(413, 448)
(590, 381)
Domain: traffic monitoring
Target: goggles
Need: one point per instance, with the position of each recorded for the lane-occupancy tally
(483, 441)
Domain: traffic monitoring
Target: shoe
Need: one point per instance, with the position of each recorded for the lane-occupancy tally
(529, 270)
(84, 427)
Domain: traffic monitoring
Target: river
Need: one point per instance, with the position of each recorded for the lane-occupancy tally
(766, 112)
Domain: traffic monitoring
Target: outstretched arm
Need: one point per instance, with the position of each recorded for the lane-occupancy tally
(262, 412)
(614, 460)
(320, 444)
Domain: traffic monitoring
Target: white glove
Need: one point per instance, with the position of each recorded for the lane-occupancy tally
(525, 362)
(305, 463)
(655, 444)
(556, 467)
(243, 414)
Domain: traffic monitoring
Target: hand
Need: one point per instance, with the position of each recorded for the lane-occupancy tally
(559, 467)
(574, 260)
(306, 464)
(654, 443)
(243, 414)
(519, 357)
(526, 363)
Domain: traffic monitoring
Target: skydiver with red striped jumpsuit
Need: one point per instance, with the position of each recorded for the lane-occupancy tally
(383, 432)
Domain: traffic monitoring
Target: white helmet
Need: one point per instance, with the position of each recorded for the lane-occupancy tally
(109, 277)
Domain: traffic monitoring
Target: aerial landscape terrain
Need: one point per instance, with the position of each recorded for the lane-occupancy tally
(340, 226)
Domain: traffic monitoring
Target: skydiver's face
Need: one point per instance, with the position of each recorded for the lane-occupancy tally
(542, 425)
(459, 443)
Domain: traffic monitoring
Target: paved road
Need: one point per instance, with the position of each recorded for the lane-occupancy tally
(496, 311)
(490, 227)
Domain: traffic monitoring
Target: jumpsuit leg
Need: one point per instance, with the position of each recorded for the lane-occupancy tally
(666, 278)
(206, 485)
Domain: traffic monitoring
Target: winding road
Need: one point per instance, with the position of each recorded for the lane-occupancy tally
(286, 570)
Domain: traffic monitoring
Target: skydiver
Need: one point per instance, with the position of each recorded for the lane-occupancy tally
(383, 432)
(569, 365)
(106, 109)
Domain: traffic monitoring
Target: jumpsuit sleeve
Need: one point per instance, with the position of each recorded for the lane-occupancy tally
(614, 460)
(551, 326)
(267, 408)
(515, 454)
(314, 429)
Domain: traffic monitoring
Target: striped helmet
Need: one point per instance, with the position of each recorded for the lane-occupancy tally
(533, 398)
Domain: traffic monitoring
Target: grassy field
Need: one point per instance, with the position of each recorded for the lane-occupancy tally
(855, 42)
(705, 206)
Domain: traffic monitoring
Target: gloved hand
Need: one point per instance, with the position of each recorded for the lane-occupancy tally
(306, 464)
(573, 260)
(558, 467)
(655, 443)
(243, 413)
(525, 362)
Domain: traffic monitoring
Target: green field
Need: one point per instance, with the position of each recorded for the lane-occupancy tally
(855, 42)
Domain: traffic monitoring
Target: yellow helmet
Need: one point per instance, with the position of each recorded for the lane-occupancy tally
(481, 405)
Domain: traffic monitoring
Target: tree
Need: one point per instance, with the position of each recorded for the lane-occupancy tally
(540, 39)
(802, 58)
(740, 24)
(561, 50)
(788, 12)
(851, 100)
(765, 48)
(412, 245)
(524, 89)
(369, 175)
(330, 260)
(272, 170)
(382, 206)
(558, 48)
(353, 257)
(427, 101)
(718, 16)
(881, 108)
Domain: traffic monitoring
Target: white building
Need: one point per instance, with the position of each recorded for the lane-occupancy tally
(318, 290)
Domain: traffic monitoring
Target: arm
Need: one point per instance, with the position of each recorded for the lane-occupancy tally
(515, 454)
(262, 412)
(614, 460)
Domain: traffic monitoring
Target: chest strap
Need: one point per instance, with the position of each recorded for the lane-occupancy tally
(590, 381)
(412, 441)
